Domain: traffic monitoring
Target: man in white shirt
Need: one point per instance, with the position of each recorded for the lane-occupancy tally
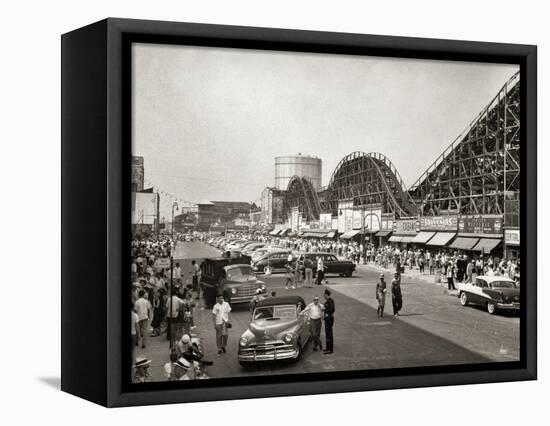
(315, 312)
(135, 333)
(144, 311)
(320, 270)
(196, 279)
(222, 322)
(173, 306)
(177, 275)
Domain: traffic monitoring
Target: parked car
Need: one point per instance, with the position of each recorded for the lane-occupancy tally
(332, 264)
(231, 276)
(275, 259)
(251, 248)
(493, 292)
(278, 329)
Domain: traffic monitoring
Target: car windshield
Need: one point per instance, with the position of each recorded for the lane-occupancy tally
(241, 274)
(503, 284)
(279, 312)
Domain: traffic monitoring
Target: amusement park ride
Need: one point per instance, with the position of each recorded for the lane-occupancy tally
(477, 174)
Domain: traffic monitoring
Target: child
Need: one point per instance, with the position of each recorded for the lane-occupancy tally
(289, 277)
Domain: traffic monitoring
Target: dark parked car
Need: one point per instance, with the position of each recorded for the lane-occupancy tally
(233, 277)
(332, 264)
(276, 259)
(278, 329)
(490, 291)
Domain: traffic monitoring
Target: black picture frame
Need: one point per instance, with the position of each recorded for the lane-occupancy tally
(96, 90)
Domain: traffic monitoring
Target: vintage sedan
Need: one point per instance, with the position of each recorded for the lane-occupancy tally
(278, 329)
(493, 292)
(332, 264)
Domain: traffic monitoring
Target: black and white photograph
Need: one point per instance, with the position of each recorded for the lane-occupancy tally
(299, 212)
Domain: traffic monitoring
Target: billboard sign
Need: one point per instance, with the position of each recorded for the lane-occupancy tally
(481, 224)
(439, 223)
(406, 226)
(144, 209)
(511, 237)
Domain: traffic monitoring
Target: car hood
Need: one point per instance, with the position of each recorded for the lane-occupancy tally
(262, 328)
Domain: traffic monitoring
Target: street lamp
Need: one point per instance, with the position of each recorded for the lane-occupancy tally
(174, 204)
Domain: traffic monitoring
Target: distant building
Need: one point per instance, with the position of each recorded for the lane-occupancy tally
(222, 213)
(272, 206)
(138, 174)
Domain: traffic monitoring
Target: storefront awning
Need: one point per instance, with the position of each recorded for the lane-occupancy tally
(441, 239)
(407, 239)
(331, 234)
(315, 235)
(486, 245)
(383, 233)
(349, 234)
(284, 232)
(463, 243)
(395, 238)
(275, 232)
(422, 237)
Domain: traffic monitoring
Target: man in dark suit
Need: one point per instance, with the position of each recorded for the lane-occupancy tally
(329, 322)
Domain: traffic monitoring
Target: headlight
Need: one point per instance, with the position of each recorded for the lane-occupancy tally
(233, 290)
(262, 286)
(288, 338)
(243, 341)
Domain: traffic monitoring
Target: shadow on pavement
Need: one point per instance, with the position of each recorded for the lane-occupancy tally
(54, 382)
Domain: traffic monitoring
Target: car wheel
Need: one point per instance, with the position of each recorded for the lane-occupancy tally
(348, 274)
(464, 299)
(267, 270)
(491, 308)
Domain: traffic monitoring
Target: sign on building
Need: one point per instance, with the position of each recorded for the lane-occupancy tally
(439, 223)
(406, 226)
(511, 237)
(481, 224)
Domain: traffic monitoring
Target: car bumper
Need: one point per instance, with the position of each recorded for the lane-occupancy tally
(508, 306)
(241, 299)
(255, 356)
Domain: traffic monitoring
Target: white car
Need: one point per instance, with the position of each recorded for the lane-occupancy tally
(493, 292)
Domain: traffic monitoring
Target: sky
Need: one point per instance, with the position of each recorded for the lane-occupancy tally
(209, 122)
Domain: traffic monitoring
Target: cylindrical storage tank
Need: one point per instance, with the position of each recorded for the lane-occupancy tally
(298, 165)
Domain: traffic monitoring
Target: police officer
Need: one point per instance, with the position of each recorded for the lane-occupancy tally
(329, 322)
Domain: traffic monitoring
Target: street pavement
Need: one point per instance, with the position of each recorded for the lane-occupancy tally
(432, 329)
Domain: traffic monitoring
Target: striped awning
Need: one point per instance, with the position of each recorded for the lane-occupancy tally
(395, 238)
(383, 233)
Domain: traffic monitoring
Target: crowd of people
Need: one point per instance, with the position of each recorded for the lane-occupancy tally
(160, 309)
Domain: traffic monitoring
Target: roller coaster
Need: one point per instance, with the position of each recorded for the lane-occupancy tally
(476, 174)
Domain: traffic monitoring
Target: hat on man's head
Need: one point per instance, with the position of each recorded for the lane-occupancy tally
(141, 361)
(185, 338)
(327, 292)
(381, 275)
